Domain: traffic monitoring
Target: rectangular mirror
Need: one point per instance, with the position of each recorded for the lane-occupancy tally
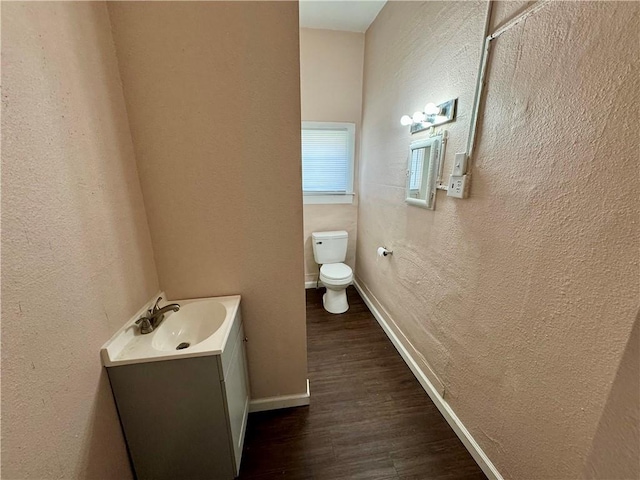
(422, 171)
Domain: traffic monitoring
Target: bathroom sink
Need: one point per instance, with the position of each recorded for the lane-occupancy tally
(200, 328)
(189, 326)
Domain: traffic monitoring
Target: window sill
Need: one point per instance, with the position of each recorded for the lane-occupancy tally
(346, 198)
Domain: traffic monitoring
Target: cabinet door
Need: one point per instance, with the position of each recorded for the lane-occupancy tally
(237, 395)
(174, 420)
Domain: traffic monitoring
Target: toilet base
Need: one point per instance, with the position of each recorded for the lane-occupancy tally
(335, 301)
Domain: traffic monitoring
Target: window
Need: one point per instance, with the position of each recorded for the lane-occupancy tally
(327, 162)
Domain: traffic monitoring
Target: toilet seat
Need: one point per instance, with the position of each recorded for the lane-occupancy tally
(336, 272)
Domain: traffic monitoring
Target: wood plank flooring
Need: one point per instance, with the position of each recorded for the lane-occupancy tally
(369, 417)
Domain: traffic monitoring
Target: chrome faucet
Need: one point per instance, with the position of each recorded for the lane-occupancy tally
(154, 316)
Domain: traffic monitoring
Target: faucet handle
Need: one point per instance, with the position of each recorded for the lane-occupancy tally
(156, 307)
(145, 325)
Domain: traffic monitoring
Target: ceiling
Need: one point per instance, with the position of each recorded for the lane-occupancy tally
(349, 15)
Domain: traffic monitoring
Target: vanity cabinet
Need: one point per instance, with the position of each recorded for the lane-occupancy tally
(185, 418)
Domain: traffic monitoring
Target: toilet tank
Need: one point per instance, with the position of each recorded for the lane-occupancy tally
(330, 247)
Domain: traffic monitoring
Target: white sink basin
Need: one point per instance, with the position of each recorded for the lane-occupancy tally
(192, 324)
(202, 323)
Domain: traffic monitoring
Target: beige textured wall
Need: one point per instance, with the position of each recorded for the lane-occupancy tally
(76, 254)
(615, 452)
(212, 93)
(331, 64)
(521, 298)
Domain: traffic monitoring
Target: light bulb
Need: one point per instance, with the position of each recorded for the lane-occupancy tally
(431, 109)
(418, 117)
(406, 120)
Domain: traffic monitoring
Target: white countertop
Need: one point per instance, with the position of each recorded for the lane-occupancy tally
(129, 346)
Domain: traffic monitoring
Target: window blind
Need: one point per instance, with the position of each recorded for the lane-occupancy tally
(326, 160)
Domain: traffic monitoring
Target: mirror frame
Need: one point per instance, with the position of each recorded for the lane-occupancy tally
(433, 172)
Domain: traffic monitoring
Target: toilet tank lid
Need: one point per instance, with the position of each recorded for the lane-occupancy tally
(325, 235)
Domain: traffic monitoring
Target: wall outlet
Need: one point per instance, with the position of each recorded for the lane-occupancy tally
(458, 186)
(460, 164)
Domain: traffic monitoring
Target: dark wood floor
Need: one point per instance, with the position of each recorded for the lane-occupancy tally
(369, 417)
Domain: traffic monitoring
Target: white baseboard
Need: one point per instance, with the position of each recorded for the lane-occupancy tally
(447, 412)
(312, 284)
(284, 401)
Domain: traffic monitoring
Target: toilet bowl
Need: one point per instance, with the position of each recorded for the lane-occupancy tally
(336, 277)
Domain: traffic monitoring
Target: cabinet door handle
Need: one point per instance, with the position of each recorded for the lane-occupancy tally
(245, 339)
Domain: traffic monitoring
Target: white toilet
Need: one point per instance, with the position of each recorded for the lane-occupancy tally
(330, 250)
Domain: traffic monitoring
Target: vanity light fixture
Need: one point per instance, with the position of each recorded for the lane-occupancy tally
(432, 116)
(418, 117)
(431, 109)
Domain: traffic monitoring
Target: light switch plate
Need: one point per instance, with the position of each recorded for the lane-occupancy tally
(460, 164)
(458, 186)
